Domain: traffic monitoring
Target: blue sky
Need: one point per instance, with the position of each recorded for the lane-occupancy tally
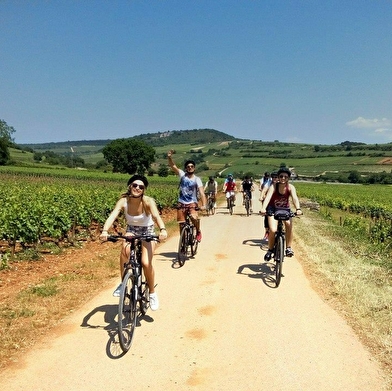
(309, 71)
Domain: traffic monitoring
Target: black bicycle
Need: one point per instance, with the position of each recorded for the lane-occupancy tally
(135, 293)
(247, 202)
(187, 245)
(280, 239)
(230, 203)
(210, 204)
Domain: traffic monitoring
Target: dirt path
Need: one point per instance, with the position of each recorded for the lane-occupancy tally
(221, 326)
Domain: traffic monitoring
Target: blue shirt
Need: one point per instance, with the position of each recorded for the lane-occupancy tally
(188, 188)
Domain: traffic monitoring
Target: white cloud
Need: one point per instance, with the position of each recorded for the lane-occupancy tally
(368, 123)
(382, 130)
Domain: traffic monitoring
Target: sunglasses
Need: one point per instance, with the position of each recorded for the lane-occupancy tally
(283, 176)
(190, 166)
(136, 185)
(274, 176)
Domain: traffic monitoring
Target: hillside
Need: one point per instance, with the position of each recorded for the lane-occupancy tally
(169, 137)
(217, 152)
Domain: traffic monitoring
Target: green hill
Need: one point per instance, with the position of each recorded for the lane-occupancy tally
(217, 152)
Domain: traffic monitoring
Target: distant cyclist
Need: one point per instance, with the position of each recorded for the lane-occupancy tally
(265, 181)
(247, 187)
(229, 188)
(274, 179)
(211, 187)
(278, 197)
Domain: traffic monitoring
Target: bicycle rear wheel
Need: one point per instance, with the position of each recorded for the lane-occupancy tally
(182, 253)
(127, 312)
(247, 206)
(193, 242)
(279, 255)
(231, 202)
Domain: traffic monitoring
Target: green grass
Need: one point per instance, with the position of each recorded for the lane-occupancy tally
(246, 156)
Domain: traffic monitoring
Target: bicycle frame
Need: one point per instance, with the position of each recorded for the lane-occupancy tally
(280, 240)
(230, 201)
(134, 295)
(247, 202)
(210, 204)
(188, 244)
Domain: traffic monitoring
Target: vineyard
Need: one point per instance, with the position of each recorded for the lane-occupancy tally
(368, 207)
(38, 208)
(62, 206)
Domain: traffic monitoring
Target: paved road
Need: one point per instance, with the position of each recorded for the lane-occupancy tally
(221, 326)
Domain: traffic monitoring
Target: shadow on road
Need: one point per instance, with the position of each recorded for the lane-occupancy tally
(110, 311)
(172, 256)
(264, 271)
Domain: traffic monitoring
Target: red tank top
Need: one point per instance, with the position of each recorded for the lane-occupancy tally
(279, 200)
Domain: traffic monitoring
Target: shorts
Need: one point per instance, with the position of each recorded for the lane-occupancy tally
(181, 211)
(139, 230)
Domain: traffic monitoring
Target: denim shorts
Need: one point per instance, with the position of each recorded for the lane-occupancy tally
(138, 230)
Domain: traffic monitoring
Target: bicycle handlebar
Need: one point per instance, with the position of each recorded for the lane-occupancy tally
(286, 216)
(146, 238)
(187, 207)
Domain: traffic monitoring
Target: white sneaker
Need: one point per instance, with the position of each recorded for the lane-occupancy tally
(116, 293)
(154, 302)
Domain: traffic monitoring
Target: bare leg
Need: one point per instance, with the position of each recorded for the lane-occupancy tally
(124, 256)
(289, 232)
(148, 269)
(272, 223)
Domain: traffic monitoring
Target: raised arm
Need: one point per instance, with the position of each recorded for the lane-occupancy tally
(171, 162)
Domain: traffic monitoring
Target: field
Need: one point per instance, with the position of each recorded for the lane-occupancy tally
(243, 156)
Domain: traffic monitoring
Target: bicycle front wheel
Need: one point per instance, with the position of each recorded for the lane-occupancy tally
(182, 253)
(231, 202)
(279, 256)
(127, 311)
(194, 243)
(247, 206)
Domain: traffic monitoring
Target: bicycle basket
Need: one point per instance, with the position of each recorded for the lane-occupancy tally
(282, 214)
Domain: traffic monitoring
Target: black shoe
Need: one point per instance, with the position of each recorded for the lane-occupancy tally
(268, 255)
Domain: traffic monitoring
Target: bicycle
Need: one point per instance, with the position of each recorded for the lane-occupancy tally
(210, 204)
(187, 245)
(280, 239)
(230, 202)
(135, 294)
(247, 203)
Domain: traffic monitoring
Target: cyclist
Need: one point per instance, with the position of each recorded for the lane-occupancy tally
(189, 186)
(278, 197)
(274, 179)
(247, 187)
(229, 188)
(141, 213)
(211, 187)
(265, 181)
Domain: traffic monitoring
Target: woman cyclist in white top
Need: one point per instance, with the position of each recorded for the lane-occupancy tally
(141, 213)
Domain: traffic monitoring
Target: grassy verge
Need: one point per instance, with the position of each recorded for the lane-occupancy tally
(351, 277)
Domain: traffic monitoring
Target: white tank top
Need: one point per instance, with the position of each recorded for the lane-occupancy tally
(142, 220)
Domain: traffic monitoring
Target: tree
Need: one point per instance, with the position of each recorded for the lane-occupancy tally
(5, 141)
(354, 177)
(163, 170)
(4, 153)
(6, 132)
(129, 155)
